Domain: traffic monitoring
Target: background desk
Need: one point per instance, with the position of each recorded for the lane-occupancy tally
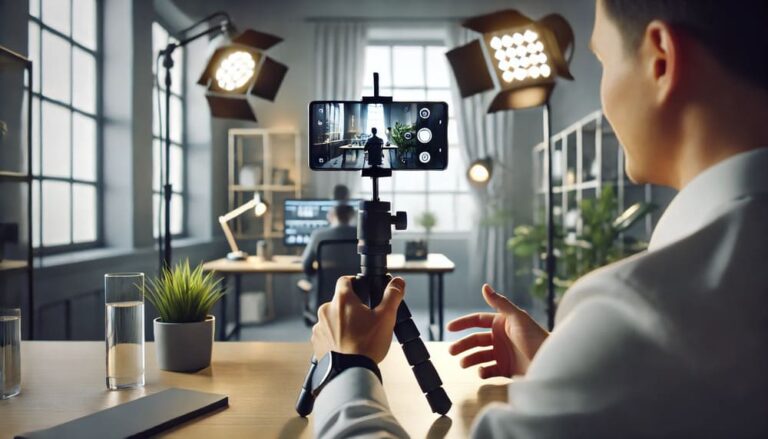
(435, 266)
(62, 381)
(358, 148)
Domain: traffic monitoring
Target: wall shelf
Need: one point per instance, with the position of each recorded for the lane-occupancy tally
(14, 176)
(263, 187)
(11, 265)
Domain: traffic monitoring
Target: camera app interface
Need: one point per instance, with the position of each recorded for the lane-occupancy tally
(400, 135)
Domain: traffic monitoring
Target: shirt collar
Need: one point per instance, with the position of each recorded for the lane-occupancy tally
(735, 177)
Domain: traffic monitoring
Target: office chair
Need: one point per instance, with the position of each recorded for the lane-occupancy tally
(335, 258)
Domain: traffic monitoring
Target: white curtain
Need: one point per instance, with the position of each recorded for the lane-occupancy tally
(487, 135)
(339, 68)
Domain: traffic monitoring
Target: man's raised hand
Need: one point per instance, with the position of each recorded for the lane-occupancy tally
(510, 344)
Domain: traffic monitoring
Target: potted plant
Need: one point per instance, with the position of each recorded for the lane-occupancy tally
(184, 331)
(403, 136)
(428, 221)
(600, 242)
(419, 250)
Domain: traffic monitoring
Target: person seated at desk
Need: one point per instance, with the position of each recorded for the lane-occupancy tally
(374, 147)
(340, 218)
(670, 342)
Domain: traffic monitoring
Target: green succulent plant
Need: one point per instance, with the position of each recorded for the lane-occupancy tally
(184, 295)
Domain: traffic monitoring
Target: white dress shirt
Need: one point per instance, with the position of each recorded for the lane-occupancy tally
(671, 342)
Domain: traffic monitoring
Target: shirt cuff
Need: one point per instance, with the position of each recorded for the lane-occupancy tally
(354, 384)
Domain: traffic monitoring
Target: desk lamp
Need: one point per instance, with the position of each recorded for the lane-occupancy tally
(526, 56)
(259, 209)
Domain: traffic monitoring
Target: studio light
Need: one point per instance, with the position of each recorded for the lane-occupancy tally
(525, 57)
(480, 172)
(234, 72)
(238, 70)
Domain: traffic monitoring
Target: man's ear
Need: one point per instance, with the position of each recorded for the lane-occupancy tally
(661, 51)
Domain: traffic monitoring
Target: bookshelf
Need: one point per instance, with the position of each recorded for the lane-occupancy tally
(268, 161)
(16, 223)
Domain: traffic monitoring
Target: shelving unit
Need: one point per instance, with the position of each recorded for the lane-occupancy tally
(274, 159)
(273, 162)
(16, 257)
(587, 157)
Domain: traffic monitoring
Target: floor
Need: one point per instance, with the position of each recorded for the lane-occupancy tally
(293, 329)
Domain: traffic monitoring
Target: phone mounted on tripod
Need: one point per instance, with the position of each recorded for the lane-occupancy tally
(374, 234)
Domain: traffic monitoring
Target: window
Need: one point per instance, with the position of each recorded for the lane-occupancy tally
(413, 73)
(64, 48)
(160, 39)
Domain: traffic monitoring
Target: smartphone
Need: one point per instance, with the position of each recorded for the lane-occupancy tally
(352, 135)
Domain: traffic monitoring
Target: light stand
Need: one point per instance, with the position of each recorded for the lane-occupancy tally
(526, 57)
(164, 239)
(374, 234)
(550, 257)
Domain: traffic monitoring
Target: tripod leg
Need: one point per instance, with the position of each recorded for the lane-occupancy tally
(418, 358)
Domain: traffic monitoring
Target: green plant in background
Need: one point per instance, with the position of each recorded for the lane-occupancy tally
(428, 221)
(398, 137)
(183, 295)
(599, 243)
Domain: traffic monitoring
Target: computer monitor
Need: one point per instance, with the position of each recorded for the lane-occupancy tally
(302, 217)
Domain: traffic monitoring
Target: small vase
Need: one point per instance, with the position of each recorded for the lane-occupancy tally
(184, 347)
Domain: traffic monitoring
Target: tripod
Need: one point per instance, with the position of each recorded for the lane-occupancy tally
(374, 234)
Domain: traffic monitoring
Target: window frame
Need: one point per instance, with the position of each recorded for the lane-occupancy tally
(159, 86)
(97, 116)
(453, 150)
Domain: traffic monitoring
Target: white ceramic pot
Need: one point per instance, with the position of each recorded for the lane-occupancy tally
(184, 347)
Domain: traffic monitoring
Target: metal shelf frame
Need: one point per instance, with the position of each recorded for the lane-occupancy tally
(588, 157)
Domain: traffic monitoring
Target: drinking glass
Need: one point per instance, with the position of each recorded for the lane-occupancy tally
(10, 352)
(124, 298)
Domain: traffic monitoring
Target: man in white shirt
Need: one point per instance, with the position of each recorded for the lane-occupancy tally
(672, 342)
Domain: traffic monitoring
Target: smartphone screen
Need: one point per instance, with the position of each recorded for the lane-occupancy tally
(351, 135)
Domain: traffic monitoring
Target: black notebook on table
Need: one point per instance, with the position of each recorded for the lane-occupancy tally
(139, 418)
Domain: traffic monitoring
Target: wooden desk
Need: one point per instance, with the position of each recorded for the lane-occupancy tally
(62, 381)
(435, 266)
(358, 148)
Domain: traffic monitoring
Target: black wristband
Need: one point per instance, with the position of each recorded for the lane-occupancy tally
(348, 361)
(334, 363)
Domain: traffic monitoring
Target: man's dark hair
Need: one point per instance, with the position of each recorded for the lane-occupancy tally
(340, 192)
(735, 32)
(344, 213)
